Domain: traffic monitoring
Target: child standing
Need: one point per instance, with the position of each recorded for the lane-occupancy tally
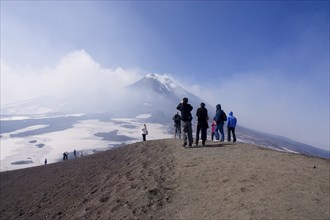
(214, 125)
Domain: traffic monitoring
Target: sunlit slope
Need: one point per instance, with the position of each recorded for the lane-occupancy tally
(160, 179)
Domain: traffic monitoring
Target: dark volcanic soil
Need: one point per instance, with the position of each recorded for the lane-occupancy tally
(161, 180)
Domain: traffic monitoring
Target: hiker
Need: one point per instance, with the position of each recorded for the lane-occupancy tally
(214, 125)
(220, 118)
(75, 153)
(186, 118)
(65, 155)
(45, 161)
(231, 124)
(144, 132)
(177, 125)
(202, 124)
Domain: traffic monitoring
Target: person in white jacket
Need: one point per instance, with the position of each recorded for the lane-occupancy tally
(144, 132)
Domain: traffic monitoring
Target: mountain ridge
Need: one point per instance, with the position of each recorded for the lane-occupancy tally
(160, 180)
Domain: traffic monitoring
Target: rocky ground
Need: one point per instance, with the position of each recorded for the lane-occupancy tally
(162, 180)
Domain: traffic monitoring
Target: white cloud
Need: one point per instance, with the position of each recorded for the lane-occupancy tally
(75, 75)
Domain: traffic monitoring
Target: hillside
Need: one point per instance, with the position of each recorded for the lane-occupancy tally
(161, 180)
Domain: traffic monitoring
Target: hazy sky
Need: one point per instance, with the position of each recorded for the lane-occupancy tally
(268, 61)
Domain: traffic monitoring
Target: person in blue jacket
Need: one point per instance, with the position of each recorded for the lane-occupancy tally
(220, 118)
(231, 124)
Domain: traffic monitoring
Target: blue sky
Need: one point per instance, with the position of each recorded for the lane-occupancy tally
(268, 61)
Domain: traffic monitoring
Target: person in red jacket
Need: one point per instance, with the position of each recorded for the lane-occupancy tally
(214, 125)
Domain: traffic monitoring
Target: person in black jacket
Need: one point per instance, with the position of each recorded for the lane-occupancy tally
(186, 118)
(202, 124)
(177, 125)
(220, 118)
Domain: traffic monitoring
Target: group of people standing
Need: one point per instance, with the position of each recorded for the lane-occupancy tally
(184, 122)
(66, 154)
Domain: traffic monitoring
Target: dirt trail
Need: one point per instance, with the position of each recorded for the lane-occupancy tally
(161, 180)
(239, 181)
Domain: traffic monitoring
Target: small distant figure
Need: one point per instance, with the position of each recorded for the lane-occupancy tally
(45, 161)
(220, 117)
(177, 125)
(65, 155)
(186, 119)
(144, 132)
(75, 153)
(81, 154)
(214, 125)
(231, 124)
(202, 124)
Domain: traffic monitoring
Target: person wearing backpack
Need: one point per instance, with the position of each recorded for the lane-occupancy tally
(186, 119)
(202, 124)
(177, 125)
(231, 124)
(220, 118)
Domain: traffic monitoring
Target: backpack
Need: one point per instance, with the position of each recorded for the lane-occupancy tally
(223, 116)
(220, 118)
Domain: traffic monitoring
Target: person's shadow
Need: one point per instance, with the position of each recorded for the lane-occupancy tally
(213, 144)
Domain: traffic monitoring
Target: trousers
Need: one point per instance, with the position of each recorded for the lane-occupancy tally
(187, 133)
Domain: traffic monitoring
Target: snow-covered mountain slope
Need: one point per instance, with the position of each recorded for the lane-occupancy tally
(161, 95)
(278, 143)
(28, 142)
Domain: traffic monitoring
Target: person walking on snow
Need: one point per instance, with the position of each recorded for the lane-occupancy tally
(186, 118)
(144, 132)
(177, 125)
(220, 118)
(202, 124)
(231, 124)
